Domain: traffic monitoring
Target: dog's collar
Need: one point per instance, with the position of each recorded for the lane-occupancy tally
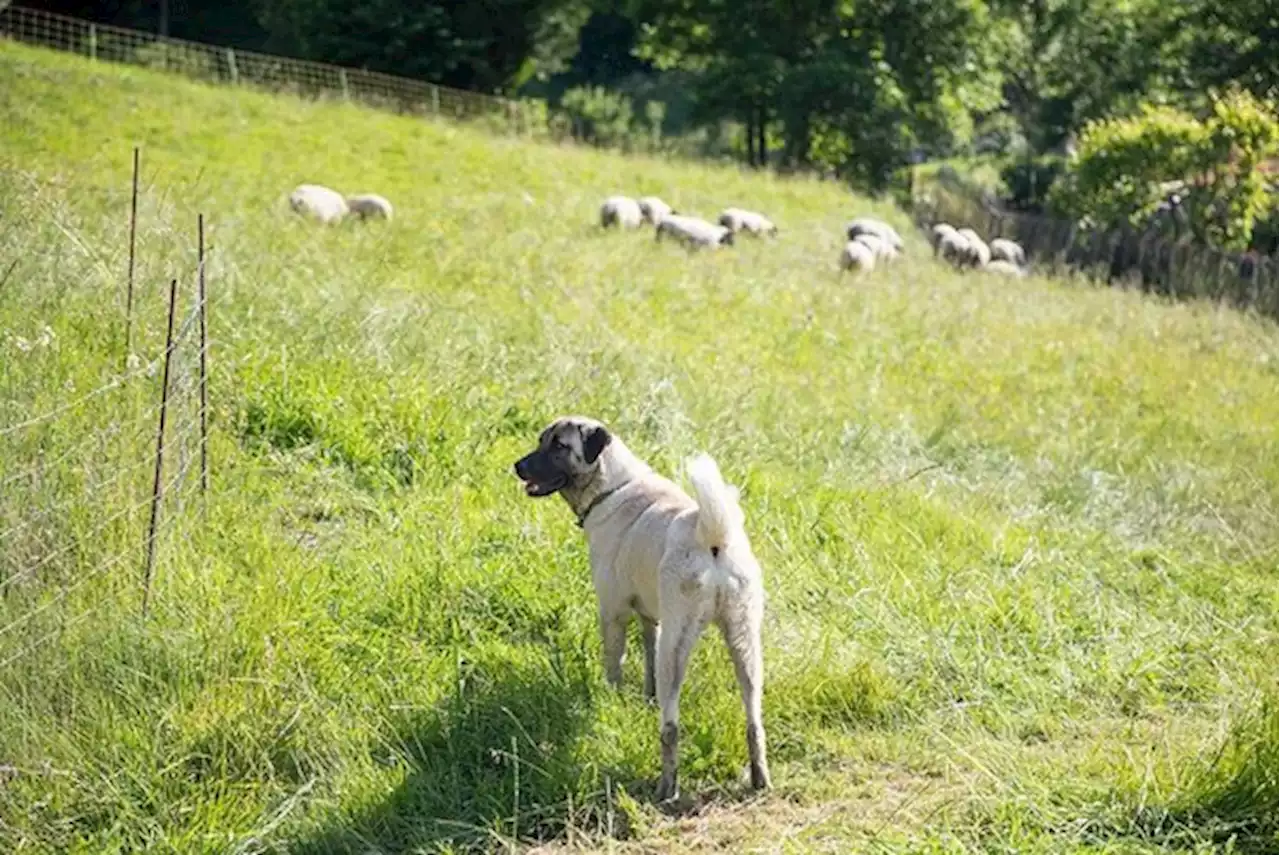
(582, 517)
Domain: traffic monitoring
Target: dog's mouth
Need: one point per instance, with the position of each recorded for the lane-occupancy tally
(538, 489)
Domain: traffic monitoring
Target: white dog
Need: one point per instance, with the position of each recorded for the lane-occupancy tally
(676, 563)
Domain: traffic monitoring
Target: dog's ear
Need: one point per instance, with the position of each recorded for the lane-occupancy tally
(594, 441)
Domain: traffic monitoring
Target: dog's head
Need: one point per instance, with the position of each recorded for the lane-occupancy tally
(568, 455)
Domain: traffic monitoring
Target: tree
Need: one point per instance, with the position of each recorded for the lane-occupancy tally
(857, 82)
(486, 46)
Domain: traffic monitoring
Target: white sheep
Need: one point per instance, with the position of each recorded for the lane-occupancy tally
(369, 206)
(882, 249)
(857, 254)
(979, 252)
(653, 209)
(954, 249)
(1004, 268)
(937, 233)
(1006, 250)
(313, 200)
(694, 232)
(621, 211)
(752, 222)
(873, 226)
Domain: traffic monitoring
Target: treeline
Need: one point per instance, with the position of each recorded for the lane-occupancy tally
(856, 88)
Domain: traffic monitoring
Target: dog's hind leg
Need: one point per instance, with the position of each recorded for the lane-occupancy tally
(613, 637)
(649, 632)
(679, 632)
(741, 630)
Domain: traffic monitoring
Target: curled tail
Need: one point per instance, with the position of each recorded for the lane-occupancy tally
(719, 515)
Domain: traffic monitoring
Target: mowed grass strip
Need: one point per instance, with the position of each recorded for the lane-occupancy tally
(1019, 538)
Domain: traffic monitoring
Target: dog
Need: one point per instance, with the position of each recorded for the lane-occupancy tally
(676, 563)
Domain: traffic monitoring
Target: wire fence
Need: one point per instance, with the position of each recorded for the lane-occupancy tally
(1145, 259)
(212, 64)
(93, 487)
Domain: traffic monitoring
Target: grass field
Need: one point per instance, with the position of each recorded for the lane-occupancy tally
(1019, 538)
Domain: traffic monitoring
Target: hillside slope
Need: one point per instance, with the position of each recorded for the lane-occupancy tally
(1019, 537)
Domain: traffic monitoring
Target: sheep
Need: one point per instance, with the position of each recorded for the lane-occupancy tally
(937, 233)
(739, 220)
(693, 231)
(857, 254)
(653, 209)
(979, 252)
(369, 205)
(620, 211)
(1004, 268)
(1007, 250)
(313, 200)
(873, 226)
(882, 249)
(954, 248)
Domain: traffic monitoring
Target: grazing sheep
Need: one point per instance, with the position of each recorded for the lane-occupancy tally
(857, 254)
(620, 211)
(369, 206)
(882, 249)
(954, 249)
(937, 233)
(873, 226)
(653, 209)
(739, 220)
(979, 252)
(313, 200)
(1004, 268)
(1006, 250)
(694, 232)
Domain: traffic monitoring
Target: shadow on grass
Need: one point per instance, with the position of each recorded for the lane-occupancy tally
(499, 760)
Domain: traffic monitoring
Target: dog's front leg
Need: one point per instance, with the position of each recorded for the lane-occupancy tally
(649, 630)
(613, 638)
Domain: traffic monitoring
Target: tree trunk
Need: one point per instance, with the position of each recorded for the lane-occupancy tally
(751, 137)
(762, 147)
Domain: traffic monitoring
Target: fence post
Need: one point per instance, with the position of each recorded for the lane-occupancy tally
(156, 486)
(346, 92)
(435, 99)
(93, 42)
(133, 233)
(204, 360)
(231, 64)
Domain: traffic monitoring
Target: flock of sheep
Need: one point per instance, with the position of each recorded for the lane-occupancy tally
(330, 206)
(964, 249)
(870, 241)
(627, 213)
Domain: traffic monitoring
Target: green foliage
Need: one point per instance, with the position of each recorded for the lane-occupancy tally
(484, 47)
(1125, 168)
(598, 115)
(1028, 181)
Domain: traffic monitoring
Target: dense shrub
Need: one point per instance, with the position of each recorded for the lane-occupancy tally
(598, 115)
(1127, 167)
(1028, 181)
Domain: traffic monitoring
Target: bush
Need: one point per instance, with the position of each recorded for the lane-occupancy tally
(598, 115)
(1125, 168)
(1028, 181)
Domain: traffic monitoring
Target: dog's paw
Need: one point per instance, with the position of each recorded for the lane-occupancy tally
(760, 777)
(668, 790)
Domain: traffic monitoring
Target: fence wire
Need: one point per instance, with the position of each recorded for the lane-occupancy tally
(223, 65)
(1144, 259)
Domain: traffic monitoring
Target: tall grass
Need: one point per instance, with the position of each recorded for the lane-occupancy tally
(1019, 537)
